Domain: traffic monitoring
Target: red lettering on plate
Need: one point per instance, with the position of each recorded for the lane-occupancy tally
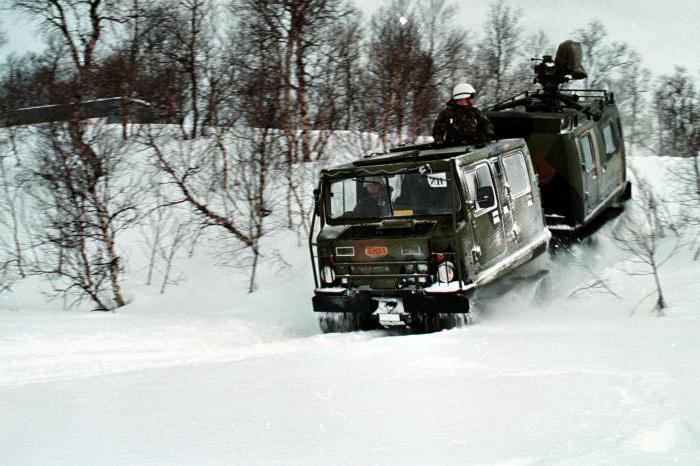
(374, 251)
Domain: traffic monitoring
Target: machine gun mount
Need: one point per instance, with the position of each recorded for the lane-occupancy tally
(551, 74)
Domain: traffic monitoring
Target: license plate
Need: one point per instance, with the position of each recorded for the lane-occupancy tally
(376, 251)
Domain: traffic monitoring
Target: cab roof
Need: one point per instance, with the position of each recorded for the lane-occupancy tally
(409, 156)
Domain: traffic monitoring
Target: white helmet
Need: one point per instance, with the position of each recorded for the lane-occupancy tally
(463, 91)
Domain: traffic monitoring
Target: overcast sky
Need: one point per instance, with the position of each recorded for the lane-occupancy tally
(664, 33)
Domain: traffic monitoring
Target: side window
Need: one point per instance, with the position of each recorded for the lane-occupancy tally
(587, 153)
(480, 187)
(516, 174)
(343, 197)
(609, 140)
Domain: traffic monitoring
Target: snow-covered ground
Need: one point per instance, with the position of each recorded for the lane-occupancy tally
(550, 374)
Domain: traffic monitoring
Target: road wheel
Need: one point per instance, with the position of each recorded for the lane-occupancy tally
(430, 322)
(462, 319)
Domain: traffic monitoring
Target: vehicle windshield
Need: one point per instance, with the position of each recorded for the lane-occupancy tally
(388, 196)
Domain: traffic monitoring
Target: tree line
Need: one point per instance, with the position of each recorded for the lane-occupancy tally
(318, 65)
(255, 90)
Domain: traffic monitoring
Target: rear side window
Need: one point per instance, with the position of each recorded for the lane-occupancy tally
(516, 174)
(477, 179)
(587, 152)
(609, 140)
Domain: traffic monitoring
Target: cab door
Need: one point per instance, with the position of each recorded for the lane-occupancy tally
(589, 168)
(484, 215)
(526, 214)
(612, 157)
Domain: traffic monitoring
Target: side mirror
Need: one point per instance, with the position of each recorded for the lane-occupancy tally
(485, 197)
(317, 202)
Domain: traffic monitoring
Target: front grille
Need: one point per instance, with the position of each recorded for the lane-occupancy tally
(369, 270)
(403, 269)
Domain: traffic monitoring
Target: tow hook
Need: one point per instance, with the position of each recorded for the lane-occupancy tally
(390, 312)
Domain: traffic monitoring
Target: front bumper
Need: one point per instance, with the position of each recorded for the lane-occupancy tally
(362, 302)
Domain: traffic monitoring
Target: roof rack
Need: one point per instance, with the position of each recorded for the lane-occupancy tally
(410, 153)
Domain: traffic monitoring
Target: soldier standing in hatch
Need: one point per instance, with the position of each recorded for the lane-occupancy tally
(460, 122)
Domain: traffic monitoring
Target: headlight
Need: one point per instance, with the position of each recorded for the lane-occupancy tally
(422, 268)
(445, 272)
(328, 274)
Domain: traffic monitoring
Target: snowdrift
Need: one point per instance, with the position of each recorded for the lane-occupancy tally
(558, 368)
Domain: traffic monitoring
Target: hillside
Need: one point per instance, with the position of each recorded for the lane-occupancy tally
(206, 373)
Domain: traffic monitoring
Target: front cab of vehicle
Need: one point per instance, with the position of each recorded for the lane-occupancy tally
(405, 237)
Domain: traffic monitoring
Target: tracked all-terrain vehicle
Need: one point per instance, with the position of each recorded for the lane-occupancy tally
(575, 140)
(406, 237)
(401, 239)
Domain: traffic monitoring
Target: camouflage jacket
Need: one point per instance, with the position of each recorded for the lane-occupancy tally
(458, 124)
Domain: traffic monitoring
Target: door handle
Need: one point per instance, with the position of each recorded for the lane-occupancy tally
(476, 253)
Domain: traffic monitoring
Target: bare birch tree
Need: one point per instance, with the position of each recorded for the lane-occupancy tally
(643, 234)
(86, 203)
(500, 49)
(191, 172)
(394, 56)
(77, 169)
(678, 114)
(15, 258)
(603, 61)
(633, 91)
(296, 61)
(166, 231)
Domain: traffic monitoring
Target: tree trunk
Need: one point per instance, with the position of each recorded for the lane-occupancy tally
(660, 302)
(154, 250)
(696, 169)
(302, 103)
